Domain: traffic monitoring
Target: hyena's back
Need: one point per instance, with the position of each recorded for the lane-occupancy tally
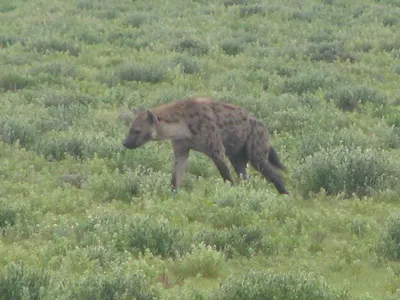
(208, 119)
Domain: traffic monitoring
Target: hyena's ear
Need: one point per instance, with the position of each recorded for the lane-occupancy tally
(152, 117)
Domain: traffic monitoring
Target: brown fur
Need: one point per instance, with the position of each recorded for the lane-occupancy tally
(220, 130)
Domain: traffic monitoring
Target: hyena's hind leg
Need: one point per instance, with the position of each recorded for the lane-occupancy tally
(258, 153)
(239, 163)
(216, 152)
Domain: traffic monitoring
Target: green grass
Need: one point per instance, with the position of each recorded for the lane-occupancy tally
(81, 217)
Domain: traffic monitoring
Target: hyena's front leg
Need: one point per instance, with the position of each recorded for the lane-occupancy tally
(181, 154)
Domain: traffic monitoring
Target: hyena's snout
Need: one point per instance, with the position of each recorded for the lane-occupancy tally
(129, 143)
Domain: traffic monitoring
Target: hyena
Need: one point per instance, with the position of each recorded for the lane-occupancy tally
(220, 130)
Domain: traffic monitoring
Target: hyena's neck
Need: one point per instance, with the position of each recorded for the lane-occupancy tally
(172, 131)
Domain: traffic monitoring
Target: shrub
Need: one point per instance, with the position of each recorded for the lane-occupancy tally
(228, 217)
(252, 10)
(388, 244)
(347, 170)
(256, 285)
(394, 137)
(66, 108)
(157, 235)
(349, 98)
(65, 100)
(57, 147)
(75, 180)
(302, 15)
(136, 72)
(8, 215)
(313, 141)
(135, 19)
(243, 241)
(191, 46)
(7, 6)
(235, 2)
(324, 35)
(306, 82)
(202, 260)
(363, 46)
(391, 20)
(121, 187)
(115, 286)
(55, 45)
(390, 44)
(187, 64)
(23, 283)
(55, 69)
(7, 40)
(232, 47)
(329, 52)
(13, 130)
(11, 81)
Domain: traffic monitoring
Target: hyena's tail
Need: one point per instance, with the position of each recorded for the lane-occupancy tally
(274, 159)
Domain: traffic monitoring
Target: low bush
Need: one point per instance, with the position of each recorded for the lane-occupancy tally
(187, 64)
(243, 241)
(156, 235)
(256, 285)
(349, 98)
(191, 46)
(135, 19)
(232, 47)
(307, 82)
(11, 81)
(13, 130)
(44, 44)
(329, 52)
(352, 171)
(388, 244)
(143, 73)
(8, 215)
(114, 286)
(249, 10)
(313, 141)
(66, 100)
(201, 260)
(54, 70)
(23, 283)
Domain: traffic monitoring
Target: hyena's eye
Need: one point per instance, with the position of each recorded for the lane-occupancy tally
(136, 130)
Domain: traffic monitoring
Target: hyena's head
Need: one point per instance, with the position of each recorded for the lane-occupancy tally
(142, 129)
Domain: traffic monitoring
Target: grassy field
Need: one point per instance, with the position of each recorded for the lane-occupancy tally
(83, 218)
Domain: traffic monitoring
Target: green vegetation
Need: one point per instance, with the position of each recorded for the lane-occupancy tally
(83, 218)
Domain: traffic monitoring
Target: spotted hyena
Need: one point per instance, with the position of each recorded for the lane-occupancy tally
(220, 130)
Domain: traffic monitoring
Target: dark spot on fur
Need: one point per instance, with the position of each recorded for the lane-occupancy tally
(207, 117)
(199, 125)
(192, 129)
(228, 107)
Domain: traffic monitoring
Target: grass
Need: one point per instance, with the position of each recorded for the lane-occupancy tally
(81, 217)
